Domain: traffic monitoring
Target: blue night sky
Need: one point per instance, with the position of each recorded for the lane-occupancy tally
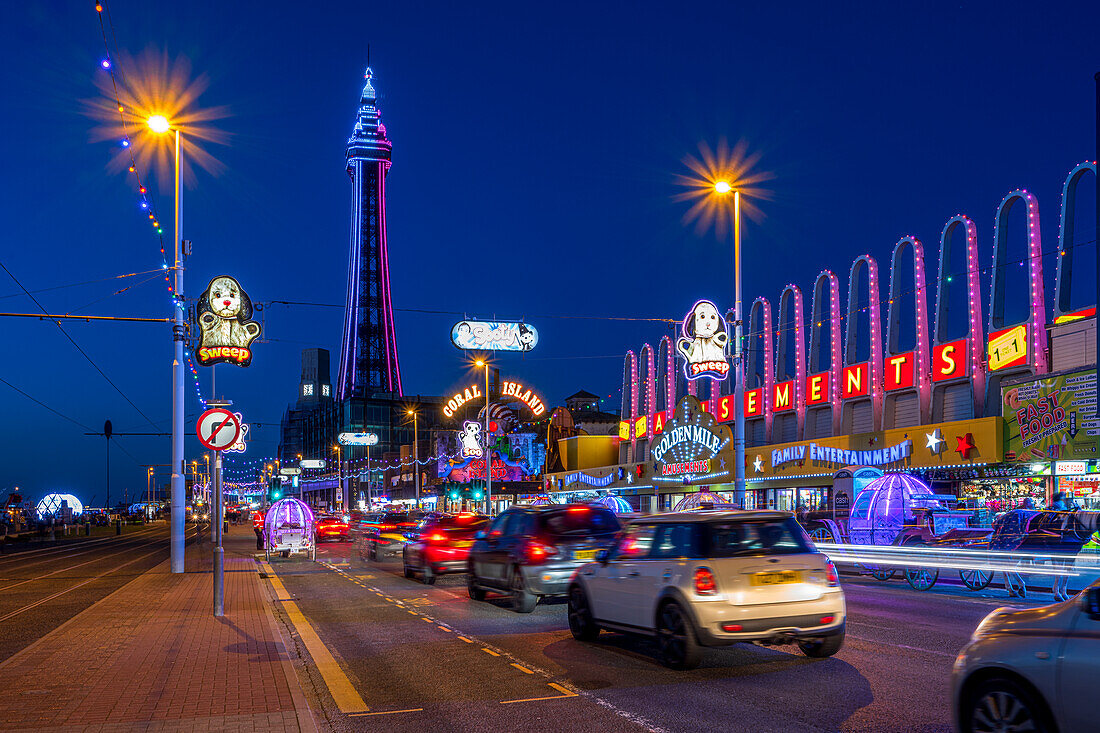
(535, 155)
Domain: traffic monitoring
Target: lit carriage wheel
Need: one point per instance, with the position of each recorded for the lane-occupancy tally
(922, 578)
(976, 579)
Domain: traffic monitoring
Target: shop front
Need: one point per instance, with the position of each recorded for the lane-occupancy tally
(792, 475)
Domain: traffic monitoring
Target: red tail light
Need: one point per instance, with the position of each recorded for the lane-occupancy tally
(704, 582)
(731, 627)
(537, 552)
(831, 576)
(436, 537)
(827, 620)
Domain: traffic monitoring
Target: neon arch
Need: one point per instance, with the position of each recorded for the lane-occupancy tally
(791, 298)
(827, 288)
(921, 382)
(728, 386)
(760, 339)
(975, 338)
(1036, 360)
(630, 401)
(851, 333)
(666, 375)
(1067, 242)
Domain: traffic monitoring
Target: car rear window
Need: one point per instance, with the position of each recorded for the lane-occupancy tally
(580, 520)
(460, 525)
(758, 537)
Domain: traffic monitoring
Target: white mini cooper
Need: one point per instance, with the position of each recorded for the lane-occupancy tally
(711, 578)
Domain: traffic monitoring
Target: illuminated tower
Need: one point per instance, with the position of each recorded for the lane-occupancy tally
(368, 352)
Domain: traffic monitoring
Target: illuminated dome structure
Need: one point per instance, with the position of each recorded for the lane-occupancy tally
(541, 501)
(886, 505)
(616, 504)
(704, 499)
(50, 506)
(288, 527)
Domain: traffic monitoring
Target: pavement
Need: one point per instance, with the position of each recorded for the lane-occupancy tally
(428, 658)
(150, 656)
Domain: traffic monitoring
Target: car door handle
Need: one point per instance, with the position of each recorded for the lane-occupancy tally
(633, 574)
(666, 575)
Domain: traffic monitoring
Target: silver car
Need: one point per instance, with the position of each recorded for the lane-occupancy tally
(1034, 669)
(712, 578)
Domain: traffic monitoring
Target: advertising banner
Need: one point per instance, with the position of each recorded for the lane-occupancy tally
(1051, 418)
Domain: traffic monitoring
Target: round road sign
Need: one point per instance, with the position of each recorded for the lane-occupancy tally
(218, 428)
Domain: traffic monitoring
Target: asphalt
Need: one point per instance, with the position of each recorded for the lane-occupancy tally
(429, 658)
(44, 586)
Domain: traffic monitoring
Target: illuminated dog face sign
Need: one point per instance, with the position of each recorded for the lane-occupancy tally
(470, 438)
(703, 342)
(225, 322)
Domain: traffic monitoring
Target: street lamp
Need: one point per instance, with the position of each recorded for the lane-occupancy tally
(416, 458)
(339, 476)
(722, 188)
(160, 125)
(488, 445)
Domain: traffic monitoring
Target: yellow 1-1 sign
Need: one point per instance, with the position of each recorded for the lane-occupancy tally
(1007, 347)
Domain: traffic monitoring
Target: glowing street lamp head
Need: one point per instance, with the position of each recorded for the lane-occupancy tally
(722, 187)
(480, 362)
(412, 412)
(158, 124)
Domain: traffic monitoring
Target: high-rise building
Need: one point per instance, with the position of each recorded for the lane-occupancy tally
(314, 386)
(368, 353)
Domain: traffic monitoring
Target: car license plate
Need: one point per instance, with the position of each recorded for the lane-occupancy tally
(584, 554)
(776, 578)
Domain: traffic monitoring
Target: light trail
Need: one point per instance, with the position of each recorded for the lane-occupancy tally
(1030, 563)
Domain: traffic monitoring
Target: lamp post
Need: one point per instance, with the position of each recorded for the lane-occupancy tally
(416, 458)
(339, 474)
(722, 188)
(160, 125)
(488, 445)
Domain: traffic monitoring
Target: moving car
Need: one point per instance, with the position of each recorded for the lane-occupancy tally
(712, 578)
(1031, 670)
(442, 546)
(331, 528)
(531, 551)
(388, 537)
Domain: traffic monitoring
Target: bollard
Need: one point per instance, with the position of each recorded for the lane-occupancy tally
(87, 529)
(118, 526)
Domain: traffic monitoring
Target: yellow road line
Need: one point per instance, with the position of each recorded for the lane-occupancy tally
(489, 651)
(425, 618)
(563, 690)
(468, 641)
(340, 687)
(442, 627)
(533, 699)
(384, 712)
(522, 669)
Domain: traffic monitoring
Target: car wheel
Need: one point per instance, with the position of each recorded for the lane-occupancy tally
(523, 600)
(372, 552)
(472, 588)
(1001, 704)
(427, 575)
(408, 571)
(677, 647)
(821, 647)
(581, 623)
(821, 533)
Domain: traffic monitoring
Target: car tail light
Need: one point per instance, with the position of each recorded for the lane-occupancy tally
(831, 576)
(731, 627)
(436, 537)
(537, 552)
(704, 582)
(827, 620)
(577, 509)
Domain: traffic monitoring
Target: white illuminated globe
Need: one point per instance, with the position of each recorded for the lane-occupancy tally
(51, 505)
(722, 187)
(158, 124)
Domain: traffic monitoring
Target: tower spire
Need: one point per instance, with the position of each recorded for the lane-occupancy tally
(368, 354)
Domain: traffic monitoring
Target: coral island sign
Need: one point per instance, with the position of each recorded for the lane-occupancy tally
(524, 395)
(473, 392)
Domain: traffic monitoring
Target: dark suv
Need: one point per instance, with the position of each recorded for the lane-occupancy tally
(532, 551)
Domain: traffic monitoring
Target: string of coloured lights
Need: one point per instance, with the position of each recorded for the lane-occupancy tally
(110, 65)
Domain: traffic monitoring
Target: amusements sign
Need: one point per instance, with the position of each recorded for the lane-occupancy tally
(1053, 418)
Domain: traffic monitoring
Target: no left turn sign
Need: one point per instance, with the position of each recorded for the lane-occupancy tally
(218, 428)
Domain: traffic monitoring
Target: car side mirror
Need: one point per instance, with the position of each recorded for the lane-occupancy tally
(602, 556)
(1090, 601)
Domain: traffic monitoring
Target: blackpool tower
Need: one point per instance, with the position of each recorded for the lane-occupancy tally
(368, 353)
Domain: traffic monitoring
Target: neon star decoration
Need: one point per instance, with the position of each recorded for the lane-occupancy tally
(935, 442)
(964, 444)
(758, 464)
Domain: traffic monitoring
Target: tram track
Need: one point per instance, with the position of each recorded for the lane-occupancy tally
(82, 550)
(70, 545)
